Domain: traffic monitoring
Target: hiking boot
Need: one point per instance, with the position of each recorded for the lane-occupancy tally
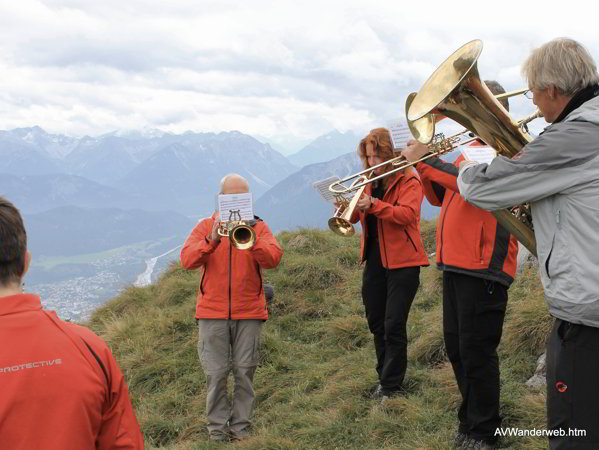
(478, 444)
(386, 395)
(217, 436)
(377, 394)
(459, 439)
(240, 435)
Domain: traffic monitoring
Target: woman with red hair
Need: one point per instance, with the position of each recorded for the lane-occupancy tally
(391, 247)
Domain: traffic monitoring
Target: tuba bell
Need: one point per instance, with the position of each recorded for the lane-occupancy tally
(455, 90)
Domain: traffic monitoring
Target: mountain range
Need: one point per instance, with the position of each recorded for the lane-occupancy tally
(97, 209)
(156, 172)
(325, 148)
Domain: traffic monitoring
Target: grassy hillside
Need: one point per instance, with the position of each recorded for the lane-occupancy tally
(318, 360)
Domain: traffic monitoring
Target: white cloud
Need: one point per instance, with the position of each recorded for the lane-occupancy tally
(262, 67)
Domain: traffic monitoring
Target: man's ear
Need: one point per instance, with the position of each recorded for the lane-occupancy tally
(27, 261)
(552, 92)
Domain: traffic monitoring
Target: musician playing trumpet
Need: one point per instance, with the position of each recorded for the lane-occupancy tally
(230, 311)
(391, 247)
(478, 260)
(558, 174)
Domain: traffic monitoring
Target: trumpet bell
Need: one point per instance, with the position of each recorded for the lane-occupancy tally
(341, 226)
(241, 235)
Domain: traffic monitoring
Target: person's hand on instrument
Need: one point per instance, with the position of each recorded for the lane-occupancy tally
(365, 202)
(215, 226)
(414, 150)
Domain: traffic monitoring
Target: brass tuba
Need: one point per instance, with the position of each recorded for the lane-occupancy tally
(455, 90)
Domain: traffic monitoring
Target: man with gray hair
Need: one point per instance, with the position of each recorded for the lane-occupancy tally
(558, 173)
(230, 310)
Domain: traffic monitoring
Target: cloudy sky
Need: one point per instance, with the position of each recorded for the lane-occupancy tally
(279, 69)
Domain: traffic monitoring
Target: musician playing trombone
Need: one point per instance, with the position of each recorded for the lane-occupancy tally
(391, 247)
(558, 173)
(478, 260)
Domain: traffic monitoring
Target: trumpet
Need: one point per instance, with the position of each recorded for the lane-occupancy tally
(240, 233)
(340, 222)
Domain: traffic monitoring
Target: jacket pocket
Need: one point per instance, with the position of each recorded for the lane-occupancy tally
(202, 281)
(549, 257)
(481, 243)
(411, 241)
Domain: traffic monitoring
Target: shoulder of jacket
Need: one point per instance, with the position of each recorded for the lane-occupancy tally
(410, 177)
(88, 336)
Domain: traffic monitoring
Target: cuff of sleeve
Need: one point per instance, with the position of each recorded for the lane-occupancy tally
(373, 205)
(467, 165)
(211, 242)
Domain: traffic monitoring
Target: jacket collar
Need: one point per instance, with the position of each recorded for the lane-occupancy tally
(19, 303)
(395, 178)
(581, 97)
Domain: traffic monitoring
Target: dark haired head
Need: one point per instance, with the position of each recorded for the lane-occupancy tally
(13, 244)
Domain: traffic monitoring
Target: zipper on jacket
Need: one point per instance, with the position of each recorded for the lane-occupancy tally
(379, 225)
(443, 226)
(230, 270)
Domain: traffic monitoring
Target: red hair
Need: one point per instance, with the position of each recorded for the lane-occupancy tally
(380, 138)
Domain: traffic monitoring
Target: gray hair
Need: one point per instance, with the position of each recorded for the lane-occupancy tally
(563, 63)
(228, 176)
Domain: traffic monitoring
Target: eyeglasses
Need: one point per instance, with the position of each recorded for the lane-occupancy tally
(528, 94)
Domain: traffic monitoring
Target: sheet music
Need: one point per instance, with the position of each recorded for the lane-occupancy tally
(322, 186)
(480, 154)
(400, 135)
(235, 207)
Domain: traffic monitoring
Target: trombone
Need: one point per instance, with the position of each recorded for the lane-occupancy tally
(438, 145)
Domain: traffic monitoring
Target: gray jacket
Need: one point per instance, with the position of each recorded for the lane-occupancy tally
(558, 173)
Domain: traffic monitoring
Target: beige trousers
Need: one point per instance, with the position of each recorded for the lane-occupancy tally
(224, 345)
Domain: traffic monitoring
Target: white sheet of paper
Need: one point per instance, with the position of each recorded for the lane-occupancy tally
(235, 207)
(322, 186)
(480, 154)
(400, 135)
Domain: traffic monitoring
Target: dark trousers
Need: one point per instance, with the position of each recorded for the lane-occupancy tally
(473, 313)
(387, 296)
(573, 385)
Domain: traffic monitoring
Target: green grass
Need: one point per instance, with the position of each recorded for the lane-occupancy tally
(317, 362)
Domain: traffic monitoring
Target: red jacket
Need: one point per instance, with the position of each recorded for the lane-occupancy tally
(469, 239)
(61, 388)
(231, 284)
(398, 223)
